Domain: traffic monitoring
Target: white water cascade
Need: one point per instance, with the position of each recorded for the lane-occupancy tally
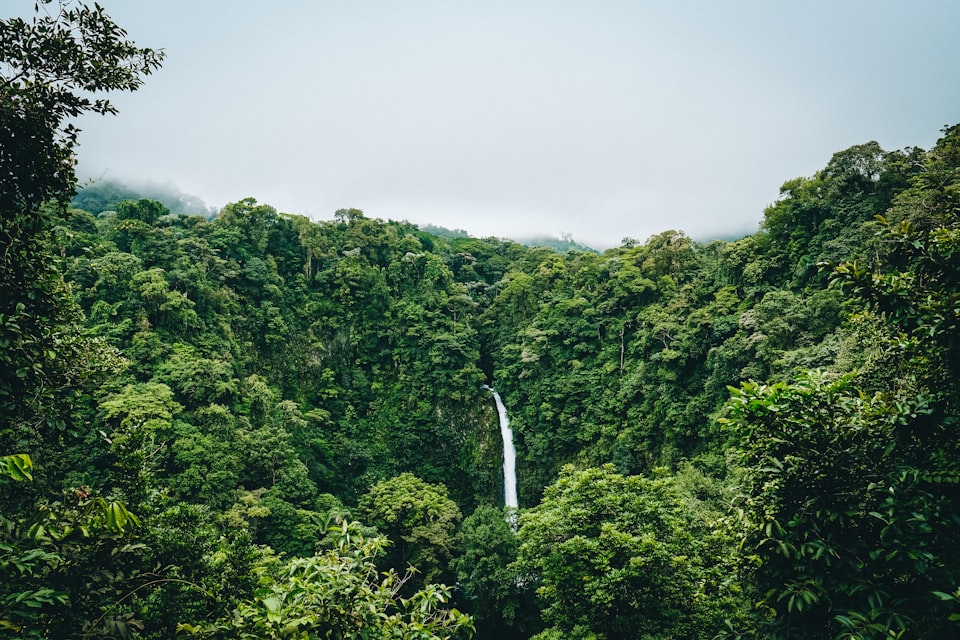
(509, 453)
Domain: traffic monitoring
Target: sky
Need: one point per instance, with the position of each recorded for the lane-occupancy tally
(602, 119)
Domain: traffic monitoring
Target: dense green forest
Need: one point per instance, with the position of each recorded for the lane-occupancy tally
(255, 425)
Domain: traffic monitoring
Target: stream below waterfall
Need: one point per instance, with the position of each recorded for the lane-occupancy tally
(509, 453)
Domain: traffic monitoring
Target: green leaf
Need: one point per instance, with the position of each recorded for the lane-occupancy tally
(17, 467)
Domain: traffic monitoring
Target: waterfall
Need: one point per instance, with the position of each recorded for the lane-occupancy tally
(509, 453)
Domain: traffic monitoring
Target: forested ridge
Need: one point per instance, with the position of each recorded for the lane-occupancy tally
(253, 425)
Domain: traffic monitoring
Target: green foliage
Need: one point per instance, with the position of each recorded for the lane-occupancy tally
(495, 598)
(822, 218)
(953, 599)
(237, 380)
(616, 556)
(17, 467)
(624, 357)
(339, 594)
(853, 485)
(52, 67)
(915, 288)
(60, 559)
(106, 195)
(419, 519)
(849, 533)
(47, 557)
(561, 244)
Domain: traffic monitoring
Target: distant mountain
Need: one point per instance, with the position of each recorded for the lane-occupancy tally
(562, 244)
(104, 195)
(443, 232)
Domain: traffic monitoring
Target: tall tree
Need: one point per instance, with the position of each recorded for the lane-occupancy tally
(853, 481)
(53, 68)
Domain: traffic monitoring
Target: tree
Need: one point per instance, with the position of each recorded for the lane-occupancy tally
(619, 557)
(146, 211)
(844, 534)
(52, 69)
(495, 596)
(853, 482)
(419, 519)
(339, 594)
(46, 557)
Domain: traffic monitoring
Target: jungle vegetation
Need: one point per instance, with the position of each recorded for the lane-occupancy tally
(255, 425)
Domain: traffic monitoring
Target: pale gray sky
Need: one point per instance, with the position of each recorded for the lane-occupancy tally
(599, 118)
